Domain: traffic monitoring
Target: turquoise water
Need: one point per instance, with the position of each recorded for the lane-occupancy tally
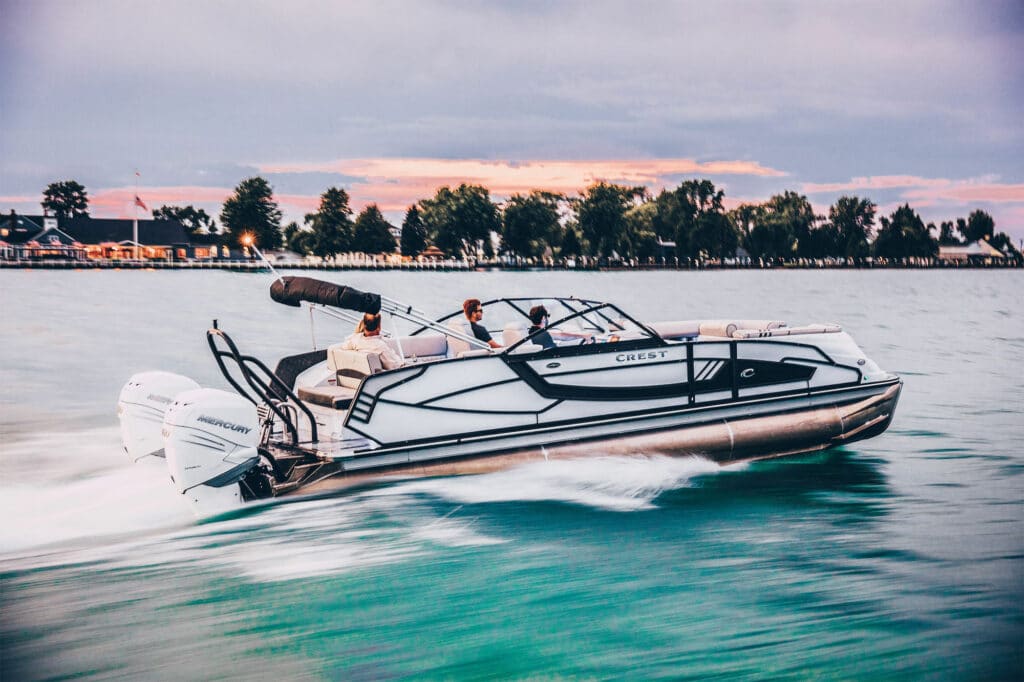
(901, 557)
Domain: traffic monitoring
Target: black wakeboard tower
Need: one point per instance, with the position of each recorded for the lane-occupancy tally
(273, 389)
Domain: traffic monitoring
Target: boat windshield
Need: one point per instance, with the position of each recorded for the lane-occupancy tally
(569, 322)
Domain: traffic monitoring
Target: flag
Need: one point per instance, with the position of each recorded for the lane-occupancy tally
(138, 202)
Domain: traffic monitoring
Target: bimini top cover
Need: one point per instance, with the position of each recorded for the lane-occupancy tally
(294, 290)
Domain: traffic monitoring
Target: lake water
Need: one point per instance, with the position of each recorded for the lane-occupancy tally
(900, 557)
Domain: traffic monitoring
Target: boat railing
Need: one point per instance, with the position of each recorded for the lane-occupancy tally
(268, 388)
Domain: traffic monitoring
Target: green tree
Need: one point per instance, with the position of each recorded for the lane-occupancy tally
(904, 235)
(570, 247)
(1003, 242)
(459, 221)
(195, 221)
(251, 210)
(771, 236)
(642, 234)
(691, 205)
(66, 199)
(373, 232)
(331, 228)
(779, 225)
(824, 241)
(743, 218)
(530, 224)
(601, 216)
(979, 225)
(794, 211)
(853, 221)
(298, 239)
(946, 236)
(713, 235)
(414, 233)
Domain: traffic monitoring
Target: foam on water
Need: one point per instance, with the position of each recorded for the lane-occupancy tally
(329, 536)
(616, 483)
(71, 486)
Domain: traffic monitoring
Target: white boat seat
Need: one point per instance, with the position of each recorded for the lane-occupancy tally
(336, 397)
(512, 333)
(352, 366)
(457, 346)
(676, 329)
(422, 348)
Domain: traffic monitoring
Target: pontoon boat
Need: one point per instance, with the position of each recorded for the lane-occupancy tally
(728, 390)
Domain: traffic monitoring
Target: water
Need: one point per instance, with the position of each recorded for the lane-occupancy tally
(899, 557)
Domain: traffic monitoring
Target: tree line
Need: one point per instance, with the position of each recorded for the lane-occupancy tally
(604, 221)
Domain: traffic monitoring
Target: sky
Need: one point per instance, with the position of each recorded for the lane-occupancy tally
(898, 102)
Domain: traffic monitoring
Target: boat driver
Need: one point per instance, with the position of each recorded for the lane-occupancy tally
(367, 338)
(474, 313)
(539, 320)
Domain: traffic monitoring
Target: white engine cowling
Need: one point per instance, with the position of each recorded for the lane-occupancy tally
(141, 407)
(211, 438)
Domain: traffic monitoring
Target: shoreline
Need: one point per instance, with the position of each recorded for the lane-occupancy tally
(470, 266)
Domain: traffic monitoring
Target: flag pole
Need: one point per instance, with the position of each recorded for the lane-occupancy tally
(135, 222)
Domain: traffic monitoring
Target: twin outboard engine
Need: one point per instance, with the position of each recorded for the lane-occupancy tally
(141, 407)
(209, 437)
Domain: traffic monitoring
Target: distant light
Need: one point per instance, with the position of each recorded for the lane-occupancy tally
(247, 239)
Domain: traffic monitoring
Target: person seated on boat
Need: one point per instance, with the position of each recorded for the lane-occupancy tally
(539, 318)
(367, 338)
(474, 312)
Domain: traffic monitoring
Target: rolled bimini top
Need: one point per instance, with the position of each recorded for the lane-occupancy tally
(294, 290)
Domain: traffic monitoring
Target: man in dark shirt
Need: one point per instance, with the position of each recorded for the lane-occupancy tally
(474, 313)
(539, 318)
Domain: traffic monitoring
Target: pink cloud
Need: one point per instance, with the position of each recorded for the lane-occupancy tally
(928, 191)
(872, 182)
(400, 182)
(119, 202)
(970, 193)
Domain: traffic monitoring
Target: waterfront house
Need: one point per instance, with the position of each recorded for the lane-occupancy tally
(974, 253)
(37, 238)
(112, 238)
(30, 237)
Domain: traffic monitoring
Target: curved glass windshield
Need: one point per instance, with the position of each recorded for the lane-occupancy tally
(562, 322)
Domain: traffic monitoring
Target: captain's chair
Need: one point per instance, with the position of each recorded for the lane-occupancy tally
(513, 333)
(457, 346)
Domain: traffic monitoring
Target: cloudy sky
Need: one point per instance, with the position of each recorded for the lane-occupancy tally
(919, 102)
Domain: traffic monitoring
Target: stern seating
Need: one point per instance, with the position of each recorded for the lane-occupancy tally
(350, 367)
(422, 348)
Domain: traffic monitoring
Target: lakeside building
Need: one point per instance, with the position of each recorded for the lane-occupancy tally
(974, 253)
(37, 238)
(33, 238)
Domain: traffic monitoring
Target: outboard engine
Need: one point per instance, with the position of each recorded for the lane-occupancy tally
(210, 438)
(141, 407)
